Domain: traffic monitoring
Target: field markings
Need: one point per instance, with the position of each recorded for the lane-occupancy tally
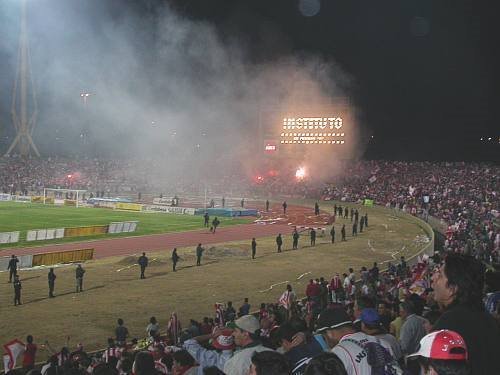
(272, 286)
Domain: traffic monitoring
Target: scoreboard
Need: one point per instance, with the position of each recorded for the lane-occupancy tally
(312, 131)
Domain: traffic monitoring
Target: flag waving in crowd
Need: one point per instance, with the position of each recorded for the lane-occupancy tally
(13, 349)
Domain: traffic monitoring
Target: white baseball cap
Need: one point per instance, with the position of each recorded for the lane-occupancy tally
(444, 344)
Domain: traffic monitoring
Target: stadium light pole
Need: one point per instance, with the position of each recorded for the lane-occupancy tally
(23, 117)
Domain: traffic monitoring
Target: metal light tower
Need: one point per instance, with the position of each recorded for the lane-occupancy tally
(24, 106)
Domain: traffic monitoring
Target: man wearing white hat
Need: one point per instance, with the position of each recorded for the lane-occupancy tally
(442, 352)
(246, 337)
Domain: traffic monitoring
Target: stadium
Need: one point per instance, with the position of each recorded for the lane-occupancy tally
(174, 201)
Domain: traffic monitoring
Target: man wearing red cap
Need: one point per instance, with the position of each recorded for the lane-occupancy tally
(458, 288)
(442, 353)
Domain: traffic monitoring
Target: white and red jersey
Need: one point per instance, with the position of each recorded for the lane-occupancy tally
(111, 352)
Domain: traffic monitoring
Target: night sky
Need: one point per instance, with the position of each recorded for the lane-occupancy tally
(423, 74)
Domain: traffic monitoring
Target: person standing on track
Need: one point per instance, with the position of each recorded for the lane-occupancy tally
(215, 224)
(267, 205)
(316, 209)
(284, 207)
(143, 263)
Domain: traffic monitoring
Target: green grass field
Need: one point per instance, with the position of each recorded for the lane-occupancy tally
(25, 216)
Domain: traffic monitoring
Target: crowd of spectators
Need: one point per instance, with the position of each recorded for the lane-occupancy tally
(364, 322)
(403, 320)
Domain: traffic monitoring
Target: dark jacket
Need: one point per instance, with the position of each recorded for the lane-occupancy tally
(481, 334)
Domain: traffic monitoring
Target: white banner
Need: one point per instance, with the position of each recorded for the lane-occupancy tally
(170, 209)
(31, 235)
(9, 237)
(51, 233)
(162, 201)
(133, 226)
(41, 234)
(126, 227)
(59, 232)
(5, 197)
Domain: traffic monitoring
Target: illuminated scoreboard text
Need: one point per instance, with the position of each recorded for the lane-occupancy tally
(312, 130)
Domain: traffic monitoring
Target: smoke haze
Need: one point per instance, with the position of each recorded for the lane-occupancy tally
(162, 86)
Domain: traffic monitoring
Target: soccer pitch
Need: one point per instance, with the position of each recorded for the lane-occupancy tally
(26, 216)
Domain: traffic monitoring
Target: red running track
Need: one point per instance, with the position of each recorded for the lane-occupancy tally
(156, 242)
(277, 223)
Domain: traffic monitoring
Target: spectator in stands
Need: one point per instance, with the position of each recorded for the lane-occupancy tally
(325, 364)
(359, 352)
(413, 328)
(29, 354)
(267, 362)
(230, 312)
(246, 337)
(458, 285)
(144, 364)
(442, 352)
(121, 333)
(371, 324)
(153, 328)
(184, 363)
(222, 343)
(245, 308)
(297, 353)
(385, 316)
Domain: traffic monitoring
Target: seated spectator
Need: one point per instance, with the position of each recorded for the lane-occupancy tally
(458, 286)
(325, 364)
(442, 353)
(268, 362)
(246, 337)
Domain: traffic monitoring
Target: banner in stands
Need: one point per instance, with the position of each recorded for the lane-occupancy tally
(368, 202)
(162, 201)
(5, 197)
(170, 209)
(128, 206)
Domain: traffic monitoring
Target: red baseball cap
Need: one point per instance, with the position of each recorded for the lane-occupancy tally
(444, 344)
